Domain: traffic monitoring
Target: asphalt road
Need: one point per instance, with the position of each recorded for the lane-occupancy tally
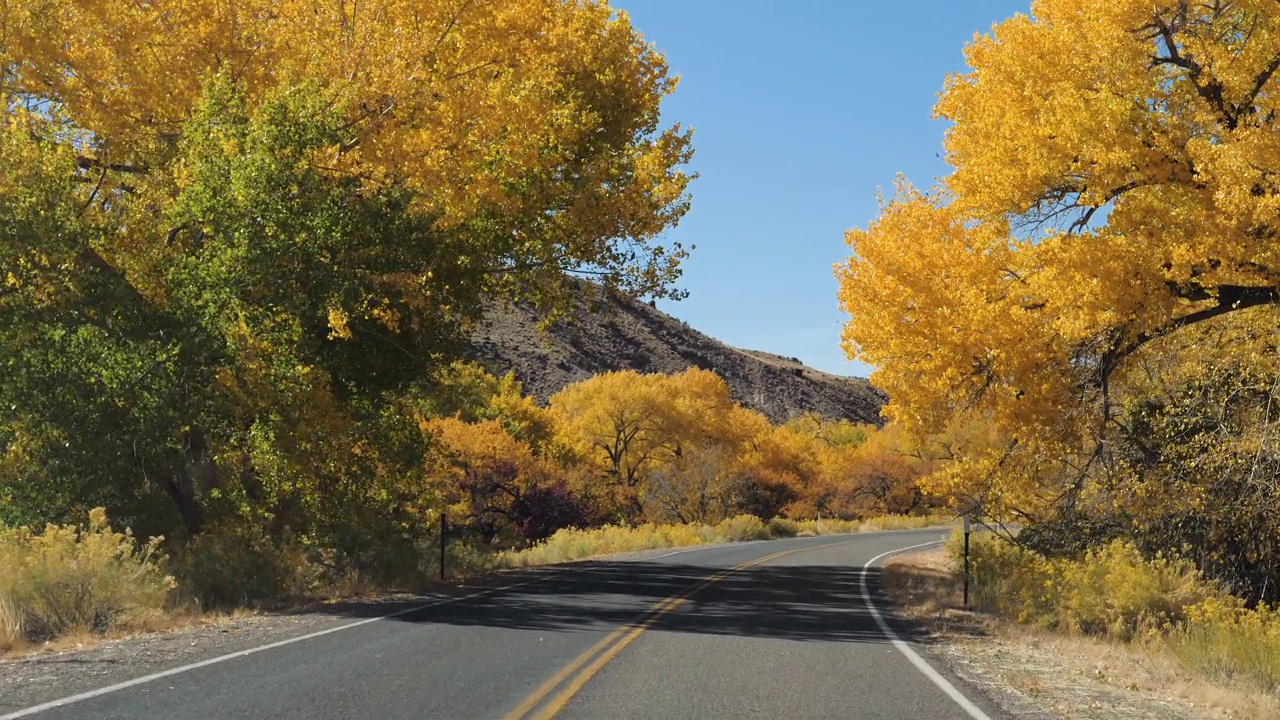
(754, 630)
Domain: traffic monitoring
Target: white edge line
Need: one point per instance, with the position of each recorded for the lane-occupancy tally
(88, 695)
(924, 667)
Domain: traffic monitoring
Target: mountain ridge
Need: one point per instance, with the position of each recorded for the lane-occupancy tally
(608, 331)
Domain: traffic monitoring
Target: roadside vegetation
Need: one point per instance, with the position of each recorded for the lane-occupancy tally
(71, 580)
(1108, 608)
(233, 304)
(617, 463)
(572, 544)
(1113, 591)
(84, 580)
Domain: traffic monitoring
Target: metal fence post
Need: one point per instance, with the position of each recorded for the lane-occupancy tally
(444, 528)
(966, 562)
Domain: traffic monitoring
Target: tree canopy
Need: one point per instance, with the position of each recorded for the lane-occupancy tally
(1091, 291)
(232, 261)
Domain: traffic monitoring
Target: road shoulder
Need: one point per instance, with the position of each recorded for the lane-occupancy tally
(1042, 675)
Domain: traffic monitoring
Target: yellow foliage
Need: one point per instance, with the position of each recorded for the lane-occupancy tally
(572, 544)
(646, 433)
(456, 101)
(1112, 590)
(742, 528)
(338, 324)
(1112, 184)
(68, 578)
(481, 469)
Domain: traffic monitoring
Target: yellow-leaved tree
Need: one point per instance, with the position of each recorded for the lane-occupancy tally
(666, 447)
(1114, 195)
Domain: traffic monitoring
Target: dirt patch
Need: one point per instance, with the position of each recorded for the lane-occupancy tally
(1039, 674)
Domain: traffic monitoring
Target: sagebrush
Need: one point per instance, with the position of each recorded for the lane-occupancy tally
(68, 578)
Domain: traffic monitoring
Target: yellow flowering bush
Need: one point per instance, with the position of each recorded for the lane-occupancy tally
(742, 528)
(1223, 639)
(571, 544)
(68, 578)
(1113, 590)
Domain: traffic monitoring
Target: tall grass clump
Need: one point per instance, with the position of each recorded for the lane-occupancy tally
(905, 522)
(69, 578)
(835, 526)
(240, 564)
(783, 528)
(571, 544)
(741, 528)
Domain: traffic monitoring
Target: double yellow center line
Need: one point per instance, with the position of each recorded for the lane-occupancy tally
(542, 704)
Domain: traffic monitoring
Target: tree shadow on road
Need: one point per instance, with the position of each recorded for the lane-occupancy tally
(805, 603)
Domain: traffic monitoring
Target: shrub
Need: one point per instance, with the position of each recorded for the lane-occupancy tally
(544, 509)
(571, 544)
(68, 578)
(1224, 640)
(783, 528)
(236, 564)
(904, 522)
(1112, 590)
(827, 526)
(741, 528)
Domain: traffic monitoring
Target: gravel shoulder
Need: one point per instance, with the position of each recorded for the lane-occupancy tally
(70, 668)
(1040, 675)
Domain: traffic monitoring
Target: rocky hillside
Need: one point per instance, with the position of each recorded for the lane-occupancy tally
(617, 333)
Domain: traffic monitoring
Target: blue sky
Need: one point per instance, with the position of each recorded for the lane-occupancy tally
(801, 110)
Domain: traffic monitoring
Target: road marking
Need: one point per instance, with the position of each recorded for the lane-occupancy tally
(134, 682)
(80, 697)
(564, 696)
(633, 629)
(925, 668)
(545, 688)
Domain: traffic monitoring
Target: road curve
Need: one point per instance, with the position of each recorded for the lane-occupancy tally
(750, 630)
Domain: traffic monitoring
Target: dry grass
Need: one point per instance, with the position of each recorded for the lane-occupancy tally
(573, 544)
(1039, 672)
(66, 581)
(1116, 592)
